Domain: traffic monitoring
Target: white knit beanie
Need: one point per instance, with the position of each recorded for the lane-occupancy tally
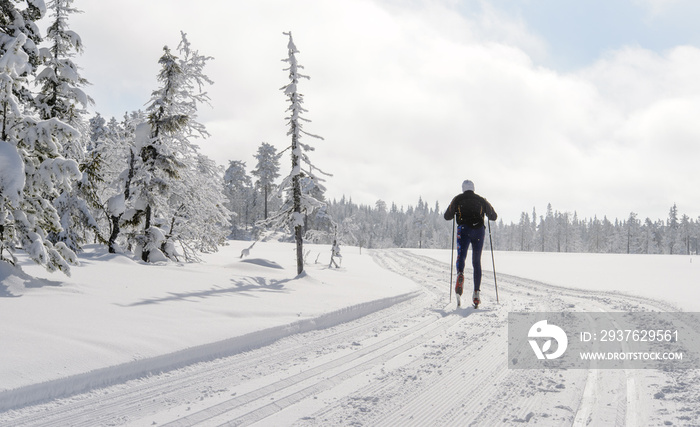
(467, 185)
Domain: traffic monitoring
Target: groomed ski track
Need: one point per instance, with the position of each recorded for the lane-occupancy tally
(418, 362)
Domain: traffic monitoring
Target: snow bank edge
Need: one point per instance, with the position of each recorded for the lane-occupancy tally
(81, 383)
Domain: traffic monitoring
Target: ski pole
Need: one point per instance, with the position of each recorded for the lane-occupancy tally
(493, 261)
(452, 256)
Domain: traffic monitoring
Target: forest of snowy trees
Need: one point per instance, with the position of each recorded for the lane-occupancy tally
(66, 179)
(140, 184)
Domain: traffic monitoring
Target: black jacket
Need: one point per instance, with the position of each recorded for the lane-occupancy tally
(469, 209)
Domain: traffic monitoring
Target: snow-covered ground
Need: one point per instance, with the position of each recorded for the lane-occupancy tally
(117, 312)
(237, 341)
(670, 278)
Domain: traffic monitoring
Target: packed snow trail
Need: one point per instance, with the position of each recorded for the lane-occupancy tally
(419, 362)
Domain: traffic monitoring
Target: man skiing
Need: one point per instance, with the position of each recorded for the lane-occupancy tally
(468, 209)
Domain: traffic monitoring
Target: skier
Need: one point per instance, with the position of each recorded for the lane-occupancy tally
(469, 209)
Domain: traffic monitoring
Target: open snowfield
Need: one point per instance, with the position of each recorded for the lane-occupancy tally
(674, 279)
(240, 341)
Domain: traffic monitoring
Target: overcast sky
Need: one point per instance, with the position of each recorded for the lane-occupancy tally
(591, 105)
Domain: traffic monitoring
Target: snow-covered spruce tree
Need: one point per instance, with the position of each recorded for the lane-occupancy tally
(239, 191)
(267, 171)
(167, 151)
(113, 145)
(158, 161)
(671, 233)
(32, 170)
(317, 220)
(198, 215)
(199, 219)
(15, 22)
(97, 166)
(298, 185)
(62, 97)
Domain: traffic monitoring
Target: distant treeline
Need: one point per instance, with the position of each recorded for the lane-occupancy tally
(423, 226)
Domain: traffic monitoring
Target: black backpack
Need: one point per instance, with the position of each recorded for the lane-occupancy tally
(470, 212)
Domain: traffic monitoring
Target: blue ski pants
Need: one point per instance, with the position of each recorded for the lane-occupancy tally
(474, 236)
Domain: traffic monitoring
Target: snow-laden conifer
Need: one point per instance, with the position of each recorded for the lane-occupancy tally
(167, 154)
(199, 219)
(267, 171)
(302, 180)
(238, 188)
(61, 96)
(34, 171)
(111, 146)
(61, 84)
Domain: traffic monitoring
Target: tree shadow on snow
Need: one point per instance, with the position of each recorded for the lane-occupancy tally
(262, 262)
(5, 292)
(247, 287)
(13, 281)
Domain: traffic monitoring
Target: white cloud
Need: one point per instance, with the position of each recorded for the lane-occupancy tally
(413, 99)
(657, 7)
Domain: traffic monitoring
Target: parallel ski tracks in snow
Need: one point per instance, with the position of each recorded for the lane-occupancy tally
(419, 362)
(322, 376)
(494, 394)
(149, 395)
